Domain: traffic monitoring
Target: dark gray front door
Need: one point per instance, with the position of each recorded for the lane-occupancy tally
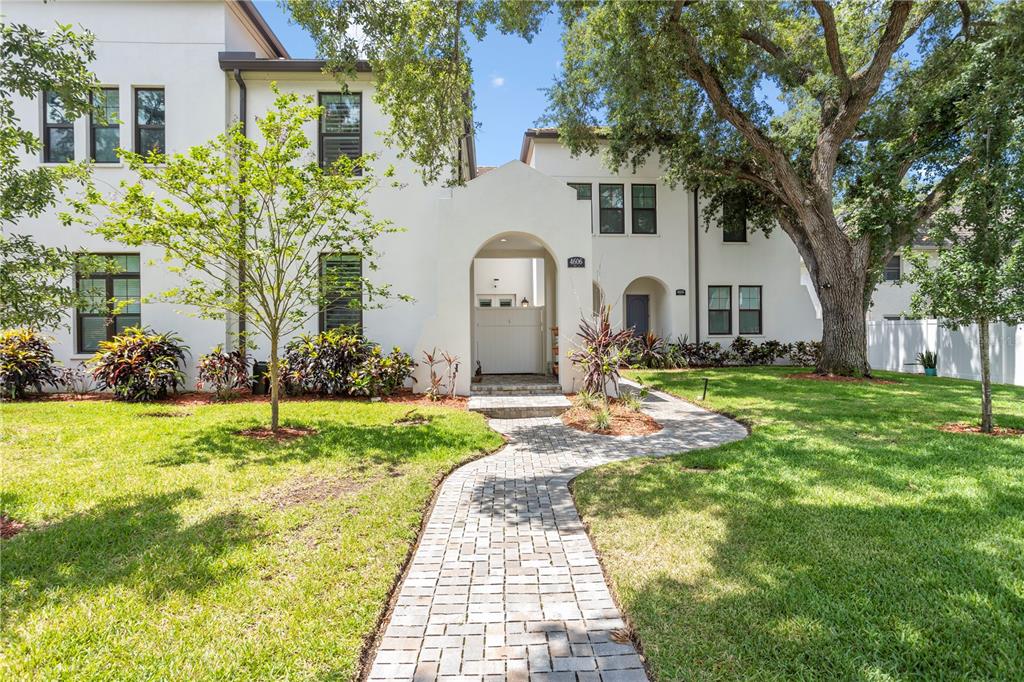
(638, 313)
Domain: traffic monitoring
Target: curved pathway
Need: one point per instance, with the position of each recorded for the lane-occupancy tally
(505, 583)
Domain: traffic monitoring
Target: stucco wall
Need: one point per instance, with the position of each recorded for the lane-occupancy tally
(509, 277)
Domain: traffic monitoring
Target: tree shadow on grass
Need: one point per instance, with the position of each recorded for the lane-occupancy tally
(128, 540)
(378, 444)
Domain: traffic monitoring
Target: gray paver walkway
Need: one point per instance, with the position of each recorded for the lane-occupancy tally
(505, 583)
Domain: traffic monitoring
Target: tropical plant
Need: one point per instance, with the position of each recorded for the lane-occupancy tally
(380, 374)
(223, 372)
(26, 359)
(744, 350)
(395, 369)
(804, 353)
(631, 400)
(587, 399)
(648, 350)
(139, 365)
(435, 391)
(601, 419)
(323, 363)
(451, 371)
(75, 380)
(928, 359)
(601, 353)
(268, 208)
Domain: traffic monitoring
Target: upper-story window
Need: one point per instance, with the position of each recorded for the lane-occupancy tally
(645, 218)
(612, 209)
(105, 126)
(584, 190)
(341, 126)
(150, 120)
(734, 219)
(893, 270)
(58, 130)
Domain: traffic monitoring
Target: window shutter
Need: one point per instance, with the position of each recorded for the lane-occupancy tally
(344, 291)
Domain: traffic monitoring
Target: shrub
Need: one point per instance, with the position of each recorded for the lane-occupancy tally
(26, 359)
(324, 363)
(74, 380)
(395, 368)
(631, 401)
(769, 351)
(602, 419)
(648, 351)
(380, 374)
(744, 349)
(223, 372)
(805, 353)
(601, 353)
(587, 399)
(139, 365)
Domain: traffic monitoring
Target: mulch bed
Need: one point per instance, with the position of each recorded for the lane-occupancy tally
(974, 428)
(838, 378)
(624, 421)
(283, 433)
(405, 397)
(9, 527)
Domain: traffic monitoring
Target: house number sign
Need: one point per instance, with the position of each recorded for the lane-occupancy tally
(577, 262)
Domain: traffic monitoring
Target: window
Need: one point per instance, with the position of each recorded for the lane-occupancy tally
(149, 120)
(584, 190)
(341, 275)
(720, 310)
(505, 302)
(111, 303)
(734, 219)
(893, 270)
(750, 310)
(484, 302)
(341, 126)
(58, 131)
(105, 126)
(612, 209)
(644, 210)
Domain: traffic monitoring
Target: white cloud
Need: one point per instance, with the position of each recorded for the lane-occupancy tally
(497, 81)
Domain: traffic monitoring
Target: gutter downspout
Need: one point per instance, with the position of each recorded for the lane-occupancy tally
(242, 115)
(696, 263)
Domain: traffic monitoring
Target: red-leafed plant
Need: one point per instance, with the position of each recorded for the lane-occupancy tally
(139, 365)
(601, 352)
(223, 372)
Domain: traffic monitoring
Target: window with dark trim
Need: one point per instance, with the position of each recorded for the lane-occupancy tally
(612, 209)
(150, 120)
(111, 302)
(734, 219)
(584, 190)
(342, 277)
(645, 199)
(893, 270)
(105, 126)
(341, 126)
(750, 310)
(58, 131)
(720, 310)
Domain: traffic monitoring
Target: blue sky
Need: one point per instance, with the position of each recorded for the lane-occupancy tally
(509, 73)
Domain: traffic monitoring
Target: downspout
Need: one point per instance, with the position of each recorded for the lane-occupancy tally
(696, 264)
(241, 262)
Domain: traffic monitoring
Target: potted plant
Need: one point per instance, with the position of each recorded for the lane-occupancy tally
(928, 359)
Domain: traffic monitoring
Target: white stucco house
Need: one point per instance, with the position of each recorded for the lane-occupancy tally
(501, 269)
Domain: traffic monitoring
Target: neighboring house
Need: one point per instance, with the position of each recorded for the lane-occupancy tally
(501, 269)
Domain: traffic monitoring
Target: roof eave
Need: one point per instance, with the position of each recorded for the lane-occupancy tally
(263, 28)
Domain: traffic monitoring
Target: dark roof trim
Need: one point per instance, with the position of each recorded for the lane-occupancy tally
(261, 26)
(247, 61)
(533, 134)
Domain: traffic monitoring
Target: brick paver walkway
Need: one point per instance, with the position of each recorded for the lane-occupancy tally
(505, 583)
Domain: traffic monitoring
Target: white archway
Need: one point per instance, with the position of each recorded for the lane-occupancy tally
(648, 293)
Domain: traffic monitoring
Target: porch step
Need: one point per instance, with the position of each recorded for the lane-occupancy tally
(519, 406)
(513, 389)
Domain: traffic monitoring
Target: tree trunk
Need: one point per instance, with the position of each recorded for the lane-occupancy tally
(275, 388)
(844, 345)
(986, 378)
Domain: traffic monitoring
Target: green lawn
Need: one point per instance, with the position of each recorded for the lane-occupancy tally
(165, 547)
(845, 538)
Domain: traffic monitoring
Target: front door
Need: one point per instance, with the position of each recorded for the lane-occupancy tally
(638, 313)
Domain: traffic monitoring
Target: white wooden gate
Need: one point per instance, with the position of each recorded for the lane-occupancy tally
(509, 340)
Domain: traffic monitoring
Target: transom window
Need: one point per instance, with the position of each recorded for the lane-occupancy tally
(893, 270)
(58, 131)
(105, 126)
(734, 219)
(341, 126)
(505, 302)
(484, 302)
(342, 277)
(720, 310)
(645, 209)
(150, 120)
(750, 310)
(612, 203)
(111, 302)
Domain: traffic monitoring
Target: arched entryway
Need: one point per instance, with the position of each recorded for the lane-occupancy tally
(513, 303)
(645, 307)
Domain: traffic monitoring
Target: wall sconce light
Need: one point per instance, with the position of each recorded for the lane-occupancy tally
(525, 303)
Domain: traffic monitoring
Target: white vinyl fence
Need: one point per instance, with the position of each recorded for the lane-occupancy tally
(894, 344)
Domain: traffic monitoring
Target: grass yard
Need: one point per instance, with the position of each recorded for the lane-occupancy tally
(160, 545)
(846, 538)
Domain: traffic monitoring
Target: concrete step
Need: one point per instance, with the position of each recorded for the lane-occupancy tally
(515, 389)
(519, 406)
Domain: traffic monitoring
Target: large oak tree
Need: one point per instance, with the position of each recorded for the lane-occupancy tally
(861, 150)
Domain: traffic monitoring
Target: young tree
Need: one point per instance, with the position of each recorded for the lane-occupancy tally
(862, 149)
(34, 279)
(266, 205)
(977, 276)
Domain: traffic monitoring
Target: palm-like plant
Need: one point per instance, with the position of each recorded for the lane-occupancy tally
(601, 353)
